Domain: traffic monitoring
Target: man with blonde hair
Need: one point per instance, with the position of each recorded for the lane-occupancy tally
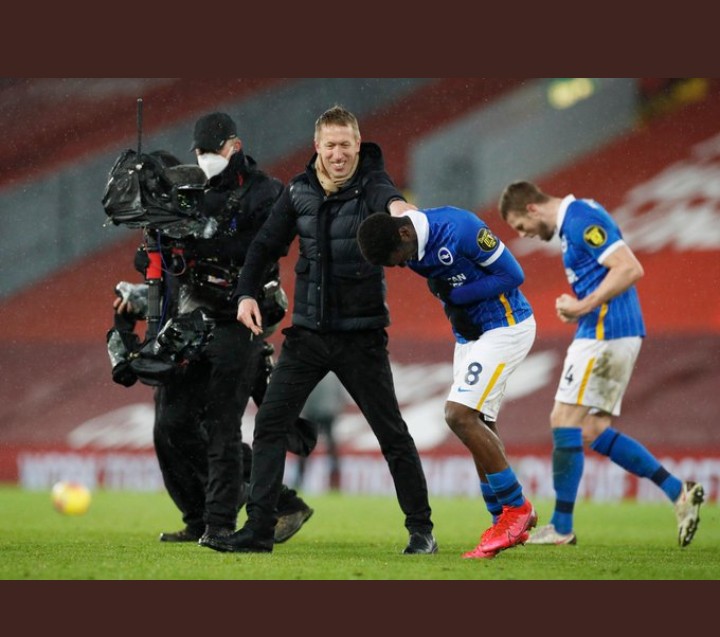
(338, 324)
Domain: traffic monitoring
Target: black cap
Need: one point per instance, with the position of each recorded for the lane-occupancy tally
(212, 131)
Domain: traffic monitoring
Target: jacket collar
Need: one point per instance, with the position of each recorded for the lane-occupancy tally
(371, 159)
(240, 165)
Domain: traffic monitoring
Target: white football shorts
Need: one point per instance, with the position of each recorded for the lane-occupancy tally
(481, 368)
(596, 373)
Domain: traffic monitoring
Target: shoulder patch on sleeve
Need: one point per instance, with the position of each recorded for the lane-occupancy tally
(486, 240)
(595, 236)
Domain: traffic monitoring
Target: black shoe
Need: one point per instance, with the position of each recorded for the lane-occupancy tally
(289, 501)
(187, 534)
(243, 541)
(290, 523)
(292, 513)
(215, 532)
(421, 543)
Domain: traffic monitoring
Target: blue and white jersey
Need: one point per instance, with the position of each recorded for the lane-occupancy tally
(457, 246)
(588, 235)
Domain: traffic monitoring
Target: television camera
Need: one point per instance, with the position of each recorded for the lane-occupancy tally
(165, 201)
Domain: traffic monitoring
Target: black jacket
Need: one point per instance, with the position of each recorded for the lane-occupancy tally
(239, 199)
(335, 289)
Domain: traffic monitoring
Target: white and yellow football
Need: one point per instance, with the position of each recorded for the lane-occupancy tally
(71, 498)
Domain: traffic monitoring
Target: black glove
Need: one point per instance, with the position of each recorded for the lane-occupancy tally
(440, 288)
(462, 323)
(459, 318)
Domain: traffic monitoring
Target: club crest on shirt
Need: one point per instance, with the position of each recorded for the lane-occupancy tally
(445, 256)
(595, 236)
(486, 240)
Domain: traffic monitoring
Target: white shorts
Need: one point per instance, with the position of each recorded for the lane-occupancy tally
(481, 368)
(596, 373)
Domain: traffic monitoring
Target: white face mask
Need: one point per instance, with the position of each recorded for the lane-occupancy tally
(212, 164)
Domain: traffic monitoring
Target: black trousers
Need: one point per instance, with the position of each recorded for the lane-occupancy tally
(360, 361)
(197, 432)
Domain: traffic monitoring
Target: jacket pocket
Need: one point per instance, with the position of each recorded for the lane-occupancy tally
(356, 291)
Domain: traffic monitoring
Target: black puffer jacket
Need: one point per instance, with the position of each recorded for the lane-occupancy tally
(239, 199)
(335, 289)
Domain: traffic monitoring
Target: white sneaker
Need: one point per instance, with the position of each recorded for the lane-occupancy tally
(548, 535)
(687, 511)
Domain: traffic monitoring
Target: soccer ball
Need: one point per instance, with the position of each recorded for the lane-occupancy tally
(71, 498)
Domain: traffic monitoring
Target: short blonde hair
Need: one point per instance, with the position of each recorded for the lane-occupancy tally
(518, 195)
(337, 116)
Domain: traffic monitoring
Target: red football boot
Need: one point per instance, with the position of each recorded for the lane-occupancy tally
(511, 528)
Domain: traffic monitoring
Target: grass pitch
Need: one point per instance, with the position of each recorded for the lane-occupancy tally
(348, 538)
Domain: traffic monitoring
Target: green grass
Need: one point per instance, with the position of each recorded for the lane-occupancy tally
(348, 538)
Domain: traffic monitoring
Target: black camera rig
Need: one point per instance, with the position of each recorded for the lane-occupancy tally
(163, 198)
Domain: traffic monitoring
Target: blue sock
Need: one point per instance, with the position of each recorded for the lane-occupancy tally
(491, 501)
(506, 487)
(568, 461)
(633, 457)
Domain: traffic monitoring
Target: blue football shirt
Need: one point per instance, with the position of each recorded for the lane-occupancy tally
(456, 245)
(588, 234)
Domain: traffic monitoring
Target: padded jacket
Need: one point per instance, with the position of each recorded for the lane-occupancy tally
(335, 288)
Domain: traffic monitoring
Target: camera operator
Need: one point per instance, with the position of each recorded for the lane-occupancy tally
(197, 432)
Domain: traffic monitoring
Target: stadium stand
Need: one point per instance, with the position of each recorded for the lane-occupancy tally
(659, 177)
(47, 122)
